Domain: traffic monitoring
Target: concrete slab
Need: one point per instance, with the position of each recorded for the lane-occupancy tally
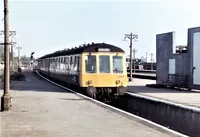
(188, 98)
(43, 110)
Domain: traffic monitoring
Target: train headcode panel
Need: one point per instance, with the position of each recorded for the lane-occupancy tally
(103, 50)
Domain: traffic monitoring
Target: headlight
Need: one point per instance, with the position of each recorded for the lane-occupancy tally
(90, 82)
(118, 81)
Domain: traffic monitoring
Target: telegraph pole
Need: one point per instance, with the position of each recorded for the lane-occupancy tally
(6, 98)
(151, 61)
(18, 48)
(131, 37)
(146, 56)
(12, 54)
(12, 34)
(134, 52)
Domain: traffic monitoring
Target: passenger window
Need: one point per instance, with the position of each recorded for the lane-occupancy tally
(90, 64)
(117, 64)
(67, 60)
(78, 65)
(71, 60)
(104, 64)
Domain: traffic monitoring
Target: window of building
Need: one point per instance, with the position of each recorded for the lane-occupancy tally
(117, 64)
(104, 64)
(90, 64)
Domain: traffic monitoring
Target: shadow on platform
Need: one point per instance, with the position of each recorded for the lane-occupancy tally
(33, 83)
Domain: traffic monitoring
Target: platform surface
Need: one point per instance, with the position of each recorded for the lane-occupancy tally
(41, 109)
(188, 98)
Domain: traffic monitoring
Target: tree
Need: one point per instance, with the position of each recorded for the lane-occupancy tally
(25, 60)
(143, 59)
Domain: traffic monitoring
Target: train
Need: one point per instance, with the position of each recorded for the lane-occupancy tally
(97, 69)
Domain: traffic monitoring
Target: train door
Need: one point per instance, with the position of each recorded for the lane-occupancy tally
(196, 57)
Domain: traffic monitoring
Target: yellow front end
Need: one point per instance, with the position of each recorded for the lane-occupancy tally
(103, 70)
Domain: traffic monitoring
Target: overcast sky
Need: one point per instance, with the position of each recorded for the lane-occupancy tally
(50, 25)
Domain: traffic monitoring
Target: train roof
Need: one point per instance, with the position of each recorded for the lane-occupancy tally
(94, 47)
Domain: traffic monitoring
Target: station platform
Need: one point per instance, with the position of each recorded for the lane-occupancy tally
(41, 109)
(145, 74)
(187, 98)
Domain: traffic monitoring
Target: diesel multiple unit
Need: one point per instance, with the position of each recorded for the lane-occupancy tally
(99, 69)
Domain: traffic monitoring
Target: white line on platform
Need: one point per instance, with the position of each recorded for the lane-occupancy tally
(127, 113)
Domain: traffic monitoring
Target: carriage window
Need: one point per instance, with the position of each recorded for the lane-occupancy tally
(67, 60)
(90, 64)
(64, 59)
(71, 60)
(104, 64)
(78, 65)
(117, 64)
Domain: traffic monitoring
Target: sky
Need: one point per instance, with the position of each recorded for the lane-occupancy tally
(44, 26)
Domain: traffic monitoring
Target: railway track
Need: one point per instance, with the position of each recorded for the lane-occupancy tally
(119, 106)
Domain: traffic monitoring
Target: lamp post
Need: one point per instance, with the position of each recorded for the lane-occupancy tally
(151, 60)
(6, 98)
(131, 37)
(134, 52)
